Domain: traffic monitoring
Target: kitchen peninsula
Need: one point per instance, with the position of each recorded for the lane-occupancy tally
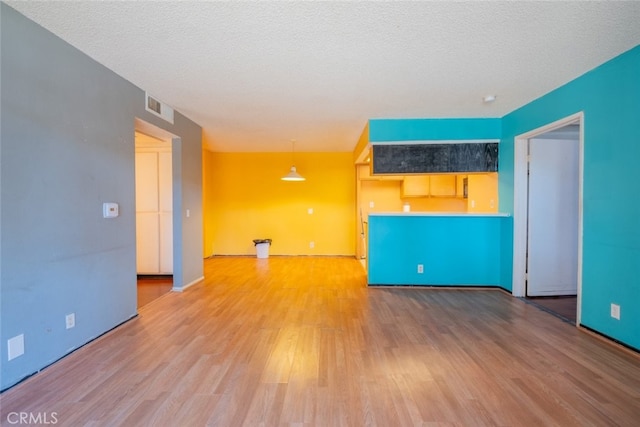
(439, 249)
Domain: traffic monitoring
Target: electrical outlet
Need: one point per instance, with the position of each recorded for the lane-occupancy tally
(615, 311)
(310, 211)
(70, 320)
(420, 268)
(15, 347)
(371, 205)
(312, 245)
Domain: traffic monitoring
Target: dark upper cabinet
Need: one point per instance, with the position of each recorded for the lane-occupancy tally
(435, 158)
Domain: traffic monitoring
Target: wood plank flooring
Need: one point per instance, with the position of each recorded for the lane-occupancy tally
(289, 341)
(563, 306)
(153, 287)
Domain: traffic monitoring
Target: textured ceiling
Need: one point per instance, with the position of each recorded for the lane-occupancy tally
(256, 75)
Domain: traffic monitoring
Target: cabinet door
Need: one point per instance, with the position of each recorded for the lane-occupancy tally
(165, 182)
(154, 216)
(146, 182)
(415, 186)
(166, 242)
(442, 185)
(147, 237)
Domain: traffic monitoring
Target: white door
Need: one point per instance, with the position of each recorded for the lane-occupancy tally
(147, 235)
(154, 216)
(552, 241)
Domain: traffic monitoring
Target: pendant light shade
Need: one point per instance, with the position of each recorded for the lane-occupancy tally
(293, 174)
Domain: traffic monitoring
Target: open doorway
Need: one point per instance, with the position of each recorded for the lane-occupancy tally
(154, 215)
(548, 217)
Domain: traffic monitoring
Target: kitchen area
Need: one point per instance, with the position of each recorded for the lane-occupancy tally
(431, 229)
(427, 204)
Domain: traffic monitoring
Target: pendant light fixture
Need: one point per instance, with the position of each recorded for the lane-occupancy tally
(293, 174)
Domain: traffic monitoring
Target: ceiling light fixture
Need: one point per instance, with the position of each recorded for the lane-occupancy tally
(293, 174)
(489, 99)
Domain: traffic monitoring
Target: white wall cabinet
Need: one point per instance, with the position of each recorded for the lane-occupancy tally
(154, 211)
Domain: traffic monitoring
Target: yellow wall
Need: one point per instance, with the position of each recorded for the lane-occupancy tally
(244, 199)
(483, 192)
(437, 204)
(207, 204)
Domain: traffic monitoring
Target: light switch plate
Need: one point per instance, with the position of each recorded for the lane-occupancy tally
(110, 210)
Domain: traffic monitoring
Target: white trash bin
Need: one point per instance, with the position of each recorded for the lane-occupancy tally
(262, 247)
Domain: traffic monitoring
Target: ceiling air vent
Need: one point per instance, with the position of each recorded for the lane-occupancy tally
(160, 109)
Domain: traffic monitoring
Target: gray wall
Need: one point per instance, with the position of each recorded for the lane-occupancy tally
(67, 146)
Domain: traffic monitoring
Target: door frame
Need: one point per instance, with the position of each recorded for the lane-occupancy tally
(520, 204)
(159, 133)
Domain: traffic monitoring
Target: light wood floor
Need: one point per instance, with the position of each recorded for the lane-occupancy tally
(151, 288)
(303, 341)
(566, 307)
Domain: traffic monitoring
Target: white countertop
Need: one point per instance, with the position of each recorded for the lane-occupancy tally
(461, 214)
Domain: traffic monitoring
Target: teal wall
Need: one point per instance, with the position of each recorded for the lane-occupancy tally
(455, 250)
(433, 129)
(609, 96)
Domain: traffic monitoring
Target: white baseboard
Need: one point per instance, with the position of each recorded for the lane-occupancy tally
(182, 288)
